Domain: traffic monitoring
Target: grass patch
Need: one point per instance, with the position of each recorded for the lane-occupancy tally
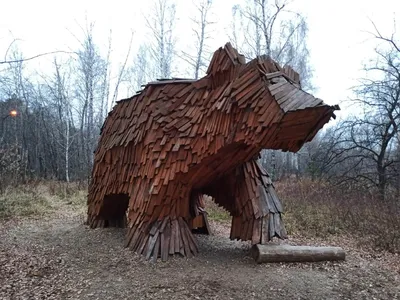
(215, 212)
(16, 203)
(39, 199)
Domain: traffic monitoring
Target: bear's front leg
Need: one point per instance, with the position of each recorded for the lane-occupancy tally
(158, 222)
(257, 213)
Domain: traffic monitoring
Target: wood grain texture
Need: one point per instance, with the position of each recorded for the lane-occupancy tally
(161, 150)
(288, 253)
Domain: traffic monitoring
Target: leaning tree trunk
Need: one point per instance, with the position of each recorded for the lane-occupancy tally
(381, 181)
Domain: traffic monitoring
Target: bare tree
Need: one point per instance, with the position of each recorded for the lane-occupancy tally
(269, 27)
(91, 87)
(122, 71)
(235, 25)
(17, 92)
(55, 111)
(105, 84)
(325, 157)
(370, 138)
(15, 60)
(59, 87)
(140, 71)
(200, 29)
(161, 24)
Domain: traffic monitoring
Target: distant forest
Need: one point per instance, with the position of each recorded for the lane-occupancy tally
(50, 123)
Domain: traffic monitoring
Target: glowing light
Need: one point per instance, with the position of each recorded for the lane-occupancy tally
(13, 113)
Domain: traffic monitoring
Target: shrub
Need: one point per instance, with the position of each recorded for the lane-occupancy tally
(321, 209)
(39, 198)
(23, 201)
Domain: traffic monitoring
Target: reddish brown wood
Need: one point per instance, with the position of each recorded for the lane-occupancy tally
(161, 150)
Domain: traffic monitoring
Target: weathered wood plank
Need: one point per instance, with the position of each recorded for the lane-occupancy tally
(288, 253)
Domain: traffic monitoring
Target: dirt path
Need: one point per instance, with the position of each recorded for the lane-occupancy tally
(59, 258)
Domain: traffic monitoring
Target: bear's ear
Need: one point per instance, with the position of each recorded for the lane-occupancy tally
(268, 65)
(292, 74)
(224, 59)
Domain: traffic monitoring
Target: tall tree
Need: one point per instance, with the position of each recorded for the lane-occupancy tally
(374, 133)
(140, 71)
(161, 25)
(269, 27)
(123, 70)
(364, 148)
(91, 83)
(59, 87)
(201, 31)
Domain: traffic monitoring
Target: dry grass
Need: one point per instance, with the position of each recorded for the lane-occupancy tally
(216, 213)
(38, 199)
(319, 209)
(311, 209)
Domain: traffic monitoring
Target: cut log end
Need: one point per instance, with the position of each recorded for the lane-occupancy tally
(288, 253)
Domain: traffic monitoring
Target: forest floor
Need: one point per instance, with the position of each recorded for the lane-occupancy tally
(57, 257)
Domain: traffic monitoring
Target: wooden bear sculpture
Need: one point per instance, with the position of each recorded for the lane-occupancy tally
(177, 140)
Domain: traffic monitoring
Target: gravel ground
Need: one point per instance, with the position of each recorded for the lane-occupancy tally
(60, 258)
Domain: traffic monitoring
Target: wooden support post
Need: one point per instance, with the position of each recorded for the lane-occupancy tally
(288, 253)
(200, 224)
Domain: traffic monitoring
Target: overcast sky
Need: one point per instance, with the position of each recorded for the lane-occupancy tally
(337, 39)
